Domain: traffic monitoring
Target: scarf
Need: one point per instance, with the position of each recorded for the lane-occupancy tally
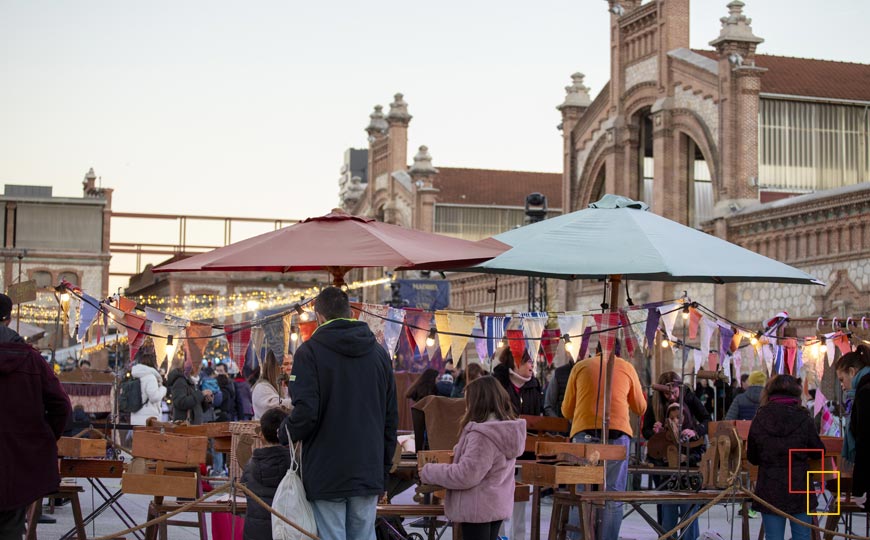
(785, 400)
(517, 379)
(848, 437)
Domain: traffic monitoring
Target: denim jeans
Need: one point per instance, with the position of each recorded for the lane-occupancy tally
(609, 519)
(671, 513)
(351, 518)
(774, 527)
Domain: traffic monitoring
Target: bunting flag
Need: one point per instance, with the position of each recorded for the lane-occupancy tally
(726, 333)
(573, 326)
(778, 359)
(287, 325)
(273, 331)
(158, 341)
(90, 308)
(534, 323)
(197, 335)
(74, 304)
(126, 305)
(841, 341)
(707, 328)
(652, 324)
(375, 315)
(819, 365)
(419, 322)
(798, 361)
(306, 329)
(550, 339)
(790, 346)
(584, 343)
(516, 343)
(355, 308)
(393, 329)
(712, 361)
(493, 328)
(832, 352)
(819, 401)
(669, 317)
(726, 366)
(155, 316)
(479, 342)
(238, 338)
(258, 338)
(627, 334)
(443, 326)
(767, 357)
(405, 352)
(459, 323)
(607, 324)
(694, 319)
(698, 360)
(135, 326)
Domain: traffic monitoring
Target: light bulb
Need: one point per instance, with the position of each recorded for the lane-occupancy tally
(170, 351)
(304, 316)
(665, 344)
(252, 305)
(430, 341)
(64, 297)
(569, 346)
(294, 335)
(753, 341)
(685, 314)
(823, 348)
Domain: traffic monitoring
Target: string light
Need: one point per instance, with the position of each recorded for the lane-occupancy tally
(753, 340)
(823, 348)
(294, 334)
(568, 345)
(430, 339)
(170, 348)
(686, 313)
(252, 305)
(665, 344)
(64, 297)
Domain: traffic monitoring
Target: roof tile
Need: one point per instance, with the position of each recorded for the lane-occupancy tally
(491, 187)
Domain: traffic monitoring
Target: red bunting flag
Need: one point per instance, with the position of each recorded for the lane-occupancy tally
(238, 337)
(517, 343)
(694, 320)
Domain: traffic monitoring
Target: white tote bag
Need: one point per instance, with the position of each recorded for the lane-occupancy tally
(291, 503)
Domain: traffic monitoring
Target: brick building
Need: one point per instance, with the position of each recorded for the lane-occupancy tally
(768, 152)
(465, 203)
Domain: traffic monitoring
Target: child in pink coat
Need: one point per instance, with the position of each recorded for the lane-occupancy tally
(480, 481)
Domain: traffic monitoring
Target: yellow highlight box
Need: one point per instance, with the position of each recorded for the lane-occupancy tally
(836, 495)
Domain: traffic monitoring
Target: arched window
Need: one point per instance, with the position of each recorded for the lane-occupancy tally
(71, 277)
(42, 278)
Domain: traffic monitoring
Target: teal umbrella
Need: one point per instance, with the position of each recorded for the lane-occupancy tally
(619, 237)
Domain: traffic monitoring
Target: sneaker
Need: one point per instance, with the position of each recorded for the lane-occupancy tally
(752, 514)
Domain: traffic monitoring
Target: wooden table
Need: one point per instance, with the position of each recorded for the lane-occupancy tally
(586, 500)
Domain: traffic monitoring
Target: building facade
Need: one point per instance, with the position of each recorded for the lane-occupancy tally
(465, 203)
(768, 152)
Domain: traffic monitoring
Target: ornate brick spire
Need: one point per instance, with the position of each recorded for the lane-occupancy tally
(736, 26)
(422, 166)
(576, 94)
(398, 111)
(377, 124)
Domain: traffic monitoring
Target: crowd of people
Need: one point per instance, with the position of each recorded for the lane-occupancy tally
(339, 390)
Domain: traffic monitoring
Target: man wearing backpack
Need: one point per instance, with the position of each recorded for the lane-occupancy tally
(345, 414)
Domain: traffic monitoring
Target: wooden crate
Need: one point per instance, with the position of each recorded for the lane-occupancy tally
(223, 444)
(434, 456)
(91, 468)
(78, 448)
(166, 447)
(544, 474)
(169, 484)
(582, 450)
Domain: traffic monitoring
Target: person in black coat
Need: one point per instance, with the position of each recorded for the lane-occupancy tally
(345, 414)
(520, 382)
(780, 425)
(226, 411)
(263, 473)
(187, 401)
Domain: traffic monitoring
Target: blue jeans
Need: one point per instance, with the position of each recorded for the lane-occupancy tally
(671, 514)
(351, 518)
(609, 519)
(774, 527)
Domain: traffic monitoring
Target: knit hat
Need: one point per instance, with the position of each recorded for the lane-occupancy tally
(757, 378)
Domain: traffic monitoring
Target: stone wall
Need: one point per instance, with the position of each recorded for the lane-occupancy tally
(643, 71)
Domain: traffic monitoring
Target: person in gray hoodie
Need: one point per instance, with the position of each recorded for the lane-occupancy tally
(746, 403)
(480, 481)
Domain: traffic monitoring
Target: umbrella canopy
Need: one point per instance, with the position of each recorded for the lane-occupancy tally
(336, 243)
(620, 237)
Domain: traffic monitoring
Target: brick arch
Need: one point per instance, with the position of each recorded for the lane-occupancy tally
(51, 275)
(639, 97)
(594, 164)
(690, 124)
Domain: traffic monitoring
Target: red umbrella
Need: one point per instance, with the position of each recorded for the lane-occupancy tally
(338, 242)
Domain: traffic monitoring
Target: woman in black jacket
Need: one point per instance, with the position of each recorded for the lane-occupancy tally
(520, 382)
(780, 426)
(853, 371)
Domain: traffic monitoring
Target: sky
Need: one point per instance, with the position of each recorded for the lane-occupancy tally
(214, 107)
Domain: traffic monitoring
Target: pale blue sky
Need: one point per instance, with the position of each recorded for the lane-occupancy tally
(245, 108)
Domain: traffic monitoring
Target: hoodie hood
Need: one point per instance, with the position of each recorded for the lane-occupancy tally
(272, 464)
(780, 419)
(8, 335)
(13, 358)
(141, 370)
(509, 436)
(753, 393)
(173, 376)
(346, 337)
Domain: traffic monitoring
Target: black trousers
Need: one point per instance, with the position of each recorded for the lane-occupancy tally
(12, 523)
(480, 531)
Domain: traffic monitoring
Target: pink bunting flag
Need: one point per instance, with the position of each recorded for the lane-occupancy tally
(627, 333)
(694, 319)
(842, 343)
(819, 401)
(375, 315)
(550, 338)
(135, 325)
(608, 324)
(790, 345)
(418, 322)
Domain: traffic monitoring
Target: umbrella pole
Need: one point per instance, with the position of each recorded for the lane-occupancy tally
(615, 281)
